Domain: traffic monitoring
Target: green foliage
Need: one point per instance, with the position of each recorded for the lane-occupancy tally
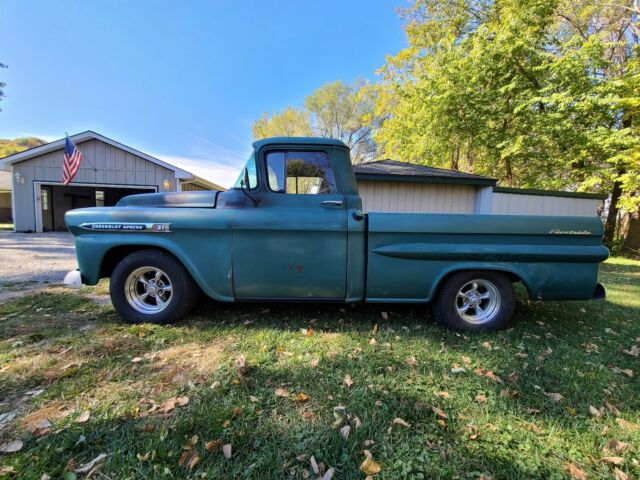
(539, 93)
(335, 110)
(291, 122)
(9, 147)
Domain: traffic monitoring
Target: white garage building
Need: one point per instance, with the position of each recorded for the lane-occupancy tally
(108, 172)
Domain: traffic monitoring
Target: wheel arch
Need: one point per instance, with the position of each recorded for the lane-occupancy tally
(511, 274)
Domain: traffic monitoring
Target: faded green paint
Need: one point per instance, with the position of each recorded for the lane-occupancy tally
(297, 247)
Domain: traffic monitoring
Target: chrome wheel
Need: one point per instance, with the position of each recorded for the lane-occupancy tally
(478, 301)
(148, 290)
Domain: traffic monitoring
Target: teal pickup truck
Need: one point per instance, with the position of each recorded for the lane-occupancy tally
(292, 229)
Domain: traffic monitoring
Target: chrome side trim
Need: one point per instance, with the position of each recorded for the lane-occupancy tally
(127, 227)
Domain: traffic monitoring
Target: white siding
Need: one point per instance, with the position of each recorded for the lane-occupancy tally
(403, 197)
(523, 204)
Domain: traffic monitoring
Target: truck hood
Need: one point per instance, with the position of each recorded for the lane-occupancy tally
(206, 199)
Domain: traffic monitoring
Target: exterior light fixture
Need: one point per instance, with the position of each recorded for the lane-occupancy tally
(19, 178)
(166, 184)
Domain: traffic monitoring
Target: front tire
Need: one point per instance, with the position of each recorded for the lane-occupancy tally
(151, 286)
(480, 301)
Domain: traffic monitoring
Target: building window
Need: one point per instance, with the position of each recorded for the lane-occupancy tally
(99, 198)
(305, 173)
(44, 198)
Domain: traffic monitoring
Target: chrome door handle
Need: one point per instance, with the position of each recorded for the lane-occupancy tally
(337, 203)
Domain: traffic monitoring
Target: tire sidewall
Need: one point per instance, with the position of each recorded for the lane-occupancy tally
(173, 269)
(445, 306)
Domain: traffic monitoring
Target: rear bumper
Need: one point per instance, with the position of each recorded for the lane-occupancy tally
(600, 293)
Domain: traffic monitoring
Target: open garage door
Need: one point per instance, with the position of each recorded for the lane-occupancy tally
(56, 200)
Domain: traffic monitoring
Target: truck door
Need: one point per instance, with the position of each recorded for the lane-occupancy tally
(293, 245)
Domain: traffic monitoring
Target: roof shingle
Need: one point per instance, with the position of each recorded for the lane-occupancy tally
(396, 171)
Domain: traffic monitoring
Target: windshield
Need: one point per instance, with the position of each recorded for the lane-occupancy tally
(252, 171)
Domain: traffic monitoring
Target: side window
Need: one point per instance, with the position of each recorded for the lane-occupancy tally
(302, 173)
(252, 172)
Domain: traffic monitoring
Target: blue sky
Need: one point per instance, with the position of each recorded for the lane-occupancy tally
(183, 80)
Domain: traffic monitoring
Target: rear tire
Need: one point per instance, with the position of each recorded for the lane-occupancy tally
(151, 286)
(481, 301)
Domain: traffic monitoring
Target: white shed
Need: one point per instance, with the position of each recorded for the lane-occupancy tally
(393, 186)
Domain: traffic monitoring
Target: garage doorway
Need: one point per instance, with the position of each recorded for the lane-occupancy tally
(53, 201)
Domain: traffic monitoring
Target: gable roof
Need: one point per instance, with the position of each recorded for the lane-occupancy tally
(396, 171)
(91, 135)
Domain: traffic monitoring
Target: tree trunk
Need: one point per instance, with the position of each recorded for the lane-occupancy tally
(632, 242)
(612, 216)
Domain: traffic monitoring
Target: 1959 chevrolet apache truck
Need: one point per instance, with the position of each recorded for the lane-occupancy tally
(292, 229)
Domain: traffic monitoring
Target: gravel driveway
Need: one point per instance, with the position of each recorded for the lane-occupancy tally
(35, 257)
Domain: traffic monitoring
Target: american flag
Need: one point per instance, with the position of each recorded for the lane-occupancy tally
(72, 159)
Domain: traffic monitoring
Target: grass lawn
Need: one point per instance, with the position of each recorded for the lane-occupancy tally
(425, 402)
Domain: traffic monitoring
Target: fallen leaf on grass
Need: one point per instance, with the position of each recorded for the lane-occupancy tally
(89, 465)
(281, 392)
(344, 431)
(457, 369)
(615, 446)
(513, 376)
(11, 447)
(212, 445)
(440, 413)
(634, 351)
(574, 472)
(384, 315)
(41, 428)
(189, 459)
(619, 474)
(143, 458)
(7, 469)
(480, 398)
(466, 360)
(399, 421)
(554, 397)
(481, 372)
(443, 394)
(301, 397)
(372, 341)
(241, 366)
(84, 417)
(226, 450)
(314, 363)
(594, 411)
(411, 361)
(487, 345)
(626, 371)
(347, 380)
(613, 460)
(368, 466)
(375, 328)
(627, 425)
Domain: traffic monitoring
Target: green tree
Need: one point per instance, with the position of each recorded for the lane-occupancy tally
(9, 147)
(290, 122)
(537, 93)
(335, 110)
